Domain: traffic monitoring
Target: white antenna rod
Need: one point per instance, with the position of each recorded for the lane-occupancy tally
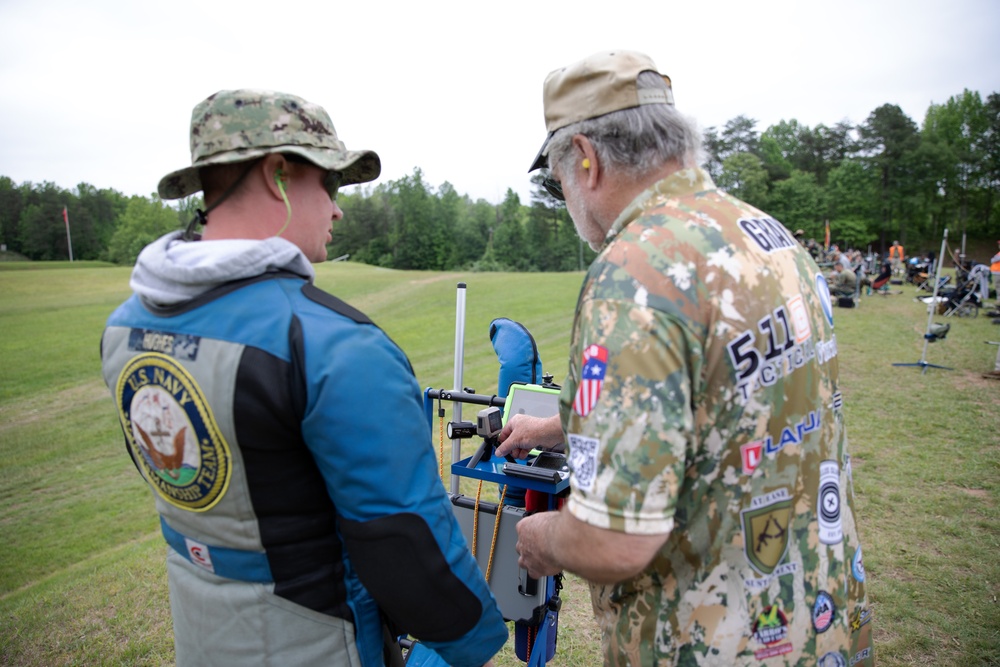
(456, 443)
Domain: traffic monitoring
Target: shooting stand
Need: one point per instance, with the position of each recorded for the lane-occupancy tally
(491, 528)
(928, 336)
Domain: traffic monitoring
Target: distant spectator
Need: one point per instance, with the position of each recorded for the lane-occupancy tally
(843, 281)
(896, 257)
(856, 260)
(995, 273)
(837, 255)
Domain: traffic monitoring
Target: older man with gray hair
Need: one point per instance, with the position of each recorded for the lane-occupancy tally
(711, 502)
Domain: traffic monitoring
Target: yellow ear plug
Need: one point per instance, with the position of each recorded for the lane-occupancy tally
(586, 163)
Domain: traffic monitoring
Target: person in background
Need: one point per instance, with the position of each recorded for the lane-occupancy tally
(814, 250)
(711, 504)
(995, 273)
(844, 258)
(896, 258)
(252, 403)
(843, 281)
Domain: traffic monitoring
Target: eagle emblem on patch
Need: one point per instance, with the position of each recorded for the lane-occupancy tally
(172, 433)
(765, 530)
(595, 365)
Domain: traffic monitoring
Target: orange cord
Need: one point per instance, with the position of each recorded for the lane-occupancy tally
(441, 449)
(475, 519)
(496, 527)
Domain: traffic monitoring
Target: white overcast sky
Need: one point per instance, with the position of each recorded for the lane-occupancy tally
(101, 91)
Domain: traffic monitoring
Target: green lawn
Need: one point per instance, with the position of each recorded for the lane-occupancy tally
(82, 580)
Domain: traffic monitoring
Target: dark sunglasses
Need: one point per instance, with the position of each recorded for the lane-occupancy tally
(554, 188)
(332, 179)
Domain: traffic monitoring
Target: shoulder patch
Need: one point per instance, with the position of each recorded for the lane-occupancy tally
(858, 566)
(831, 529)
(583, 454)
(823, 612)
(765, 530)
(823, 293)
(180, 346)
(770, 628)
(768, 234)
(595, 364)
(172, 433)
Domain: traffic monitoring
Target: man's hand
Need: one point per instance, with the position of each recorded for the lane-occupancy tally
(522, 433)
(550, 542)
(534, 542)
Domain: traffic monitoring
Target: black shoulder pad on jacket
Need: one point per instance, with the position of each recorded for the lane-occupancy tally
(314, 293)
(399, 562)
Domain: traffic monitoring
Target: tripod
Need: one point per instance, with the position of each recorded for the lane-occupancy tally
(928, 336)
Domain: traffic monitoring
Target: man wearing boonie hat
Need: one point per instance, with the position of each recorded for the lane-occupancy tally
(248, 400)
(711, 501)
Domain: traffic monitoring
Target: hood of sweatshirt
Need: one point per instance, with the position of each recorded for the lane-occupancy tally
(171, 270)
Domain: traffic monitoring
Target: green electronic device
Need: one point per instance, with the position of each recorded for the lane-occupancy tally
(530, 399)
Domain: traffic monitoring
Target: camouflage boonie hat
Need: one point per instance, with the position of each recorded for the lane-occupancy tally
(595, 86)
(238, 125)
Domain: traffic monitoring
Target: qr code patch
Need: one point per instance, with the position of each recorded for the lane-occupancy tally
(583, 461)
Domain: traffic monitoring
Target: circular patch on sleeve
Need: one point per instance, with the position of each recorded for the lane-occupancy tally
(172, 433)
(823, 612)
(831, 530)
(858, 566)
(823, 292)
(832, 659)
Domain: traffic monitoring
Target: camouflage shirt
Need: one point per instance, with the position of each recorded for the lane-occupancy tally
(703, 401)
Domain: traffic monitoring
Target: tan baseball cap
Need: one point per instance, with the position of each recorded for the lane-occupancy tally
(594, 86)
(239, 125)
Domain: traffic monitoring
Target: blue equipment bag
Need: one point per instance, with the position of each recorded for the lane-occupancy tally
(517, 354)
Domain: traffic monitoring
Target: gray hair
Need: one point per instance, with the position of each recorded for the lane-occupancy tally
(636, 141)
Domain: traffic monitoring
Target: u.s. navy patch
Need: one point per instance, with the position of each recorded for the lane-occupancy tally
(172, 432)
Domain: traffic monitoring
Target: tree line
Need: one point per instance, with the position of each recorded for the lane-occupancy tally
(882, 180)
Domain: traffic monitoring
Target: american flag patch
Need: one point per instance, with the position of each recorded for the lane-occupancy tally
(595, 363)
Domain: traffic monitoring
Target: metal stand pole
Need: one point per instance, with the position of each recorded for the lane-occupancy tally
(456, 443)
(930, 315)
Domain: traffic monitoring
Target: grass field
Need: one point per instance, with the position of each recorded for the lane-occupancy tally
(82, 580)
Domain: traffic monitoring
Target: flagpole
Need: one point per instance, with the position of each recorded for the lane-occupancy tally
(69, 239)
